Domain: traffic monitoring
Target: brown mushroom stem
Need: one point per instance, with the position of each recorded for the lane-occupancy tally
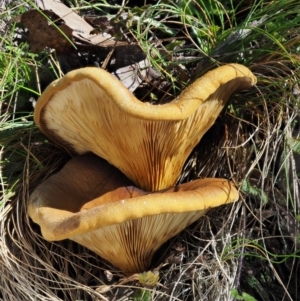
(124, 225)
(90, 110)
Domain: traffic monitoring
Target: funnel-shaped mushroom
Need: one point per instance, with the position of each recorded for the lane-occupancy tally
(87, 203)
(90, 110)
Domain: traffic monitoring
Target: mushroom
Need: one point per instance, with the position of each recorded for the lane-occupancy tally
(89, 110)
(91, 202)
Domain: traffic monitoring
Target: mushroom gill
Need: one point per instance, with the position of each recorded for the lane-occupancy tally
(91, 202)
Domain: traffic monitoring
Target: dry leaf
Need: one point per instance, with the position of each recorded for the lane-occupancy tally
(81, 29)
(131, 76)
(47, 30)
